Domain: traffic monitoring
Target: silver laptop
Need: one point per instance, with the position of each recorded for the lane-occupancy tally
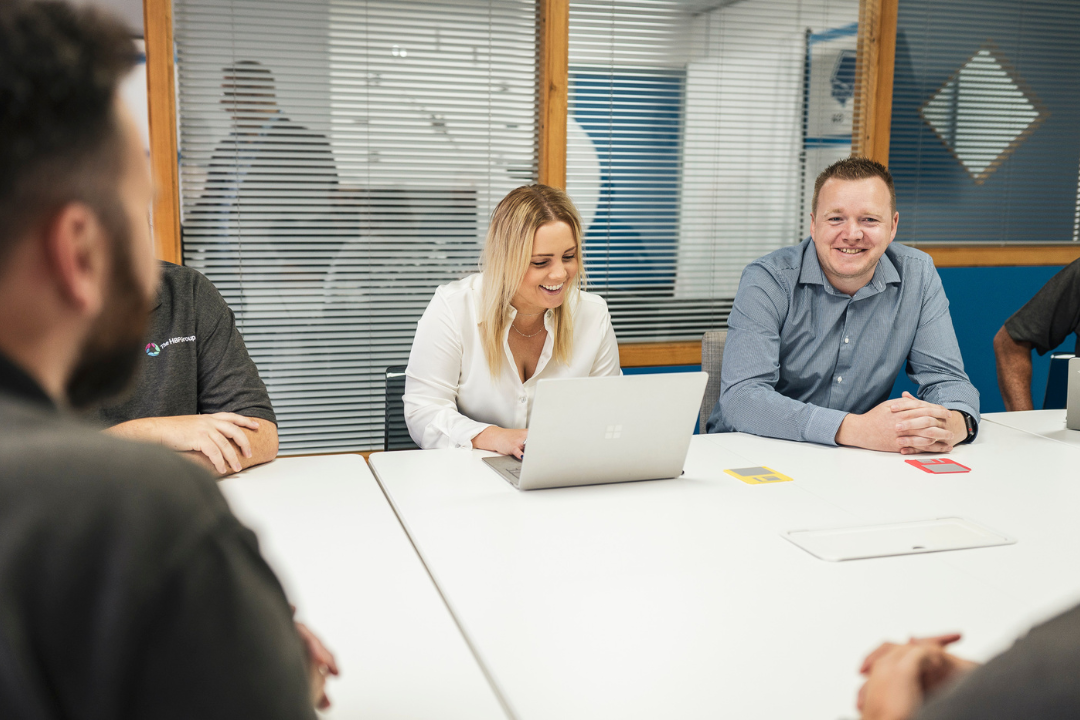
(586, 431)
(1072, 402)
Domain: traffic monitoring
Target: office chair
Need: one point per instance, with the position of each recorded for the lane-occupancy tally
(712, 357)
(395, 431)
(1057, 382)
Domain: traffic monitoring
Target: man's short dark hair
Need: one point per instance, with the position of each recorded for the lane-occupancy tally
(855, 168)
(60, 139)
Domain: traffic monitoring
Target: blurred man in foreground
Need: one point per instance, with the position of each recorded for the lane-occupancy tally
(127, 588)
(1035, 678)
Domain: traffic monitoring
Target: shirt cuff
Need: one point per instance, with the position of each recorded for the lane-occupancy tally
(823, 425)
(464, 431)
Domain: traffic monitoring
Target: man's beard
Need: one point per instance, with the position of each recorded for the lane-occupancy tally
(111, 355)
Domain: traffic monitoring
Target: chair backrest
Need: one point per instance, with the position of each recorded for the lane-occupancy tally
(1057, 381)
(712, 357)
(395, 431)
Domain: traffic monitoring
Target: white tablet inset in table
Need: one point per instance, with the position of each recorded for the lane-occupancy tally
(908, 538)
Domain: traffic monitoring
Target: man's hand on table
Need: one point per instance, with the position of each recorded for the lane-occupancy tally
(212, 440)
(320, 664)
(906, 425)
(900, 676)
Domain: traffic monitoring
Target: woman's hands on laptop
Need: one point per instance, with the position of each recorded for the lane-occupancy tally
(501, 440)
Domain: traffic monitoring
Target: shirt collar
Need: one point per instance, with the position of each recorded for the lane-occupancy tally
(16, 382)
(811, 273)
(885, 273)
(163, 266)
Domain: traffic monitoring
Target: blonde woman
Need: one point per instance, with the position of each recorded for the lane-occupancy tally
(485, 341)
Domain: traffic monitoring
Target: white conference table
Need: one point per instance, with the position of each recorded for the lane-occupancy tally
(1049, 424)
(679, 598)
(345, 562)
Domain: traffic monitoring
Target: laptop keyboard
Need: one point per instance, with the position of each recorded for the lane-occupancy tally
(509, 468)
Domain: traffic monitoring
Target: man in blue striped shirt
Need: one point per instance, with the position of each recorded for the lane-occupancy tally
(820, 330)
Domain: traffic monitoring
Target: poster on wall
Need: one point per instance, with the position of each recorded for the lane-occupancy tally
(830, 101)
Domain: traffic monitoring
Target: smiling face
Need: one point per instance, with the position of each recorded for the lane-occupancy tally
(852, 225)
(552, 270)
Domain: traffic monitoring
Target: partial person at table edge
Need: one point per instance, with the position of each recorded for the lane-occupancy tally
(128, 588)
(197, 392)
(484, 341)
(1035, 678)
(1042, 323)
(819, 331)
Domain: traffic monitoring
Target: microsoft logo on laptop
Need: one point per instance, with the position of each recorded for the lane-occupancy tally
(613, 432)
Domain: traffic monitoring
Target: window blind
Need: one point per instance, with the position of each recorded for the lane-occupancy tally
(984, 145)
(338, 161)
(693, 127)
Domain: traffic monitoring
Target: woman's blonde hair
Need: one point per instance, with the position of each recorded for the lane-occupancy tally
(507, 253)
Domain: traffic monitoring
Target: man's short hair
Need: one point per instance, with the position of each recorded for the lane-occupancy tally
(855, 168)
(60, 139)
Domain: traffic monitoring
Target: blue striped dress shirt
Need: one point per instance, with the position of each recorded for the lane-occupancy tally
(800, 354)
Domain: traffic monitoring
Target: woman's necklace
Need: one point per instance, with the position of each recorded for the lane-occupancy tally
(542, 328)
(521, 314)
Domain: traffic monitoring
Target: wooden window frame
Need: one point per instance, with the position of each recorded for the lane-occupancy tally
(552, 89)
(161, 105)
(870, 137)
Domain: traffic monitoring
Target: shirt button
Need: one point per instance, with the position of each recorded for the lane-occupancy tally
(845, 340)
(839, 379)
(523, 399)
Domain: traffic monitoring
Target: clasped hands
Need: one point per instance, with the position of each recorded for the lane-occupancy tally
(898, 677)
(906, 425)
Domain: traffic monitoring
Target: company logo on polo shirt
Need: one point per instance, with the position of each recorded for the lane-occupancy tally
(154, 350)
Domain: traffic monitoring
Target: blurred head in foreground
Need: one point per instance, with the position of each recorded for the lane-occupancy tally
(77, 272)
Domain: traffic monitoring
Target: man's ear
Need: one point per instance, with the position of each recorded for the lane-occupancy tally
(77, 253)
(895, 224)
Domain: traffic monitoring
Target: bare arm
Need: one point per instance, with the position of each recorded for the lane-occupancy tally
(224, 443)
(1013, 371)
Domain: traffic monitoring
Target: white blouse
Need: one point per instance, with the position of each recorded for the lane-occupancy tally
(450, 395)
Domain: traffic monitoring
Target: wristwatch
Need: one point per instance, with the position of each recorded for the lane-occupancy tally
(972, 429)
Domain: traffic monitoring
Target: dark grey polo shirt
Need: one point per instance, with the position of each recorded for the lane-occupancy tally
(1052, 315)
(196, 361)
